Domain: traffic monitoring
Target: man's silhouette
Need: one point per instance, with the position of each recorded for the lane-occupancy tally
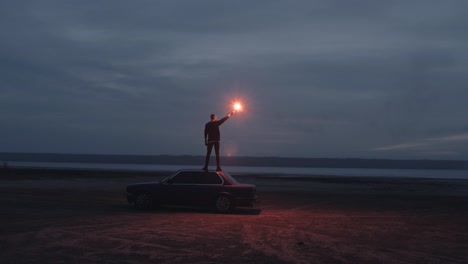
(212, 138)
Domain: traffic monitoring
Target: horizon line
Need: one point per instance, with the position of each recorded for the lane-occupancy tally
(190, 155)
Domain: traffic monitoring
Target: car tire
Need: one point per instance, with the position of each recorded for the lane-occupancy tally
(143, 201)
(224, 204)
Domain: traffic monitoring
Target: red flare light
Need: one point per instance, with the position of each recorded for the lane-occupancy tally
(237, 106)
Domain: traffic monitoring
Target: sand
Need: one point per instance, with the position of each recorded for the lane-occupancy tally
(69, 218)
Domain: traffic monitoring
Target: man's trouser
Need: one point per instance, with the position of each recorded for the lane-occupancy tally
(209, 147)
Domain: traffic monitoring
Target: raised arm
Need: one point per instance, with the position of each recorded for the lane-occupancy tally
(226, 117)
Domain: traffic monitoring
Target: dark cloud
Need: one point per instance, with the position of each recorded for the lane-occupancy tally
(320, 78)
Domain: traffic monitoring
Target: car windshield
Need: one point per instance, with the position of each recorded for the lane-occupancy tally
(232, 179)
(167, 178)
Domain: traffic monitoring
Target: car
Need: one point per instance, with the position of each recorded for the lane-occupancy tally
(215, 189)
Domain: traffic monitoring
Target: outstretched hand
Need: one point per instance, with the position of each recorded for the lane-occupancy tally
(232, 112)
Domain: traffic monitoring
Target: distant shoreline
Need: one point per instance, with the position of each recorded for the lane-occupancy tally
(6, 157)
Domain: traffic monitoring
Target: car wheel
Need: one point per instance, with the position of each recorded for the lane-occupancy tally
(143, 200)
(224, 204)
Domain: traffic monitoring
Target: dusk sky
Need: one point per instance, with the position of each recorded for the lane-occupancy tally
(336, 79)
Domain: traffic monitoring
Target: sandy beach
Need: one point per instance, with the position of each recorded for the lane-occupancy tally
(60, 217)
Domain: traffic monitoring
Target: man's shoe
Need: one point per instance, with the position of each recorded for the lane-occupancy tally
(219, 169)
(205, 169)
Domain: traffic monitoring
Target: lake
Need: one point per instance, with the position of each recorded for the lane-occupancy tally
(283, 171)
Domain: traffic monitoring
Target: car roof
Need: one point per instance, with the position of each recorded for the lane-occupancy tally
(196, 170)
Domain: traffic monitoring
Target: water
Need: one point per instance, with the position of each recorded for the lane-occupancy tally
(283, 171)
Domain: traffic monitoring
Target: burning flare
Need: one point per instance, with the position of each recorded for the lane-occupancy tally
(237, 106)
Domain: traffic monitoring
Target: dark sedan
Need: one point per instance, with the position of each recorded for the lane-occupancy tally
(193, 188)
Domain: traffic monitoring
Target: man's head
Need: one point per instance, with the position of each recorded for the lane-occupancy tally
(213, 117)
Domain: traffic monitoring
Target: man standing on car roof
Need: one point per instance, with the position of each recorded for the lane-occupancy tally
(212, 138)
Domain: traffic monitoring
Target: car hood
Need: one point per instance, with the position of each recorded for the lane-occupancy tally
(245, 185)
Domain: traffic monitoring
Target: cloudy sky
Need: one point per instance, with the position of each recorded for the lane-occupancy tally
(324, 78)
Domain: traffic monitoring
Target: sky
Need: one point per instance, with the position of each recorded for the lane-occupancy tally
(317, 78)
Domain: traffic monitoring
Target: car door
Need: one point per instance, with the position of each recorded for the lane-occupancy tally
(178, 190)
(209, 184)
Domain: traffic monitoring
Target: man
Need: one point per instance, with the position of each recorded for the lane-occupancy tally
(212, 138)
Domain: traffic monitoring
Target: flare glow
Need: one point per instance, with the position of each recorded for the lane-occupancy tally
(237, 106)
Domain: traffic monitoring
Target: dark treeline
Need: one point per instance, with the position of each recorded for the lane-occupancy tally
(237, 161)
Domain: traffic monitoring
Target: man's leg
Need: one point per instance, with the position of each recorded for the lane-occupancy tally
(209, 147)
(218, 164)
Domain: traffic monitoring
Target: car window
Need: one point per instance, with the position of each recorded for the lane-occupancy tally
(184, 177)
(209, 178)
